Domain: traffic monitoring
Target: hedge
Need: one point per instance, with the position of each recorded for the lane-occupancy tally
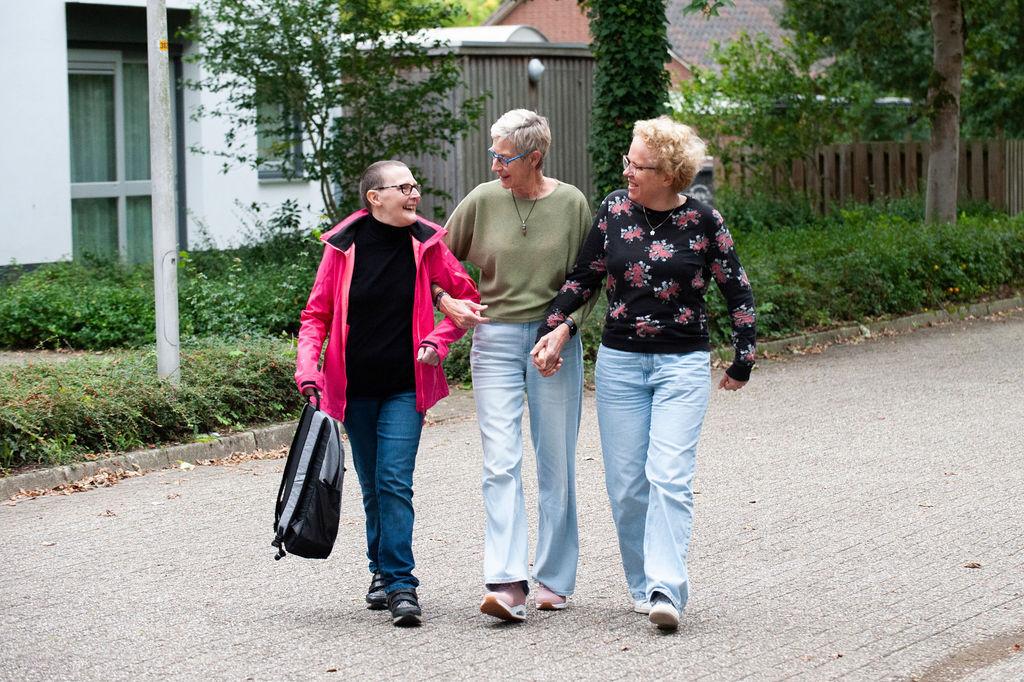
(52, 413)
(808, 272)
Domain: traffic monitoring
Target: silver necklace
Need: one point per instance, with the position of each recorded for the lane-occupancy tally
(522, 220)
(648, 220)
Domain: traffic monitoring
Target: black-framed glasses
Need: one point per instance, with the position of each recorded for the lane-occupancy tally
(506, 160)
(405, 188)
(626, 163)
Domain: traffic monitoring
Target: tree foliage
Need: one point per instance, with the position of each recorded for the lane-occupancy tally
(888, 45)
(473, 12)
(630, 47)
(709, 8)
(352, 76)
(766, 105)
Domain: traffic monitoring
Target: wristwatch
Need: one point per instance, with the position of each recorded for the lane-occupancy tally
(571, 325)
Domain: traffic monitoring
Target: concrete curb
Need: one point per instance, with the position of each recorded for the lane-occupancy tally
(899, 324)
(265, 438)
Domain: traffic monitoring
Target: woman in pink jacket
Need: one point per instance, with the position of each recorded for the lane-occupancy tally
(382, 369)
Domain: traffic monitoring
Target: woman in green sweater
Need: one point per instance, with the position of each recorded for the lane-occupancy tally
(523, 231)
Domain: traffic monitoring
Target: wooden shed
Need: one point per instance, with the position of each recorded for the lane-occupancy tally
(495, 61)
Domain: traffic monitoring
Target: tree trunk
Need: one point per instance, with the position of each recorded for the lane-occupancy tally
(944, 109)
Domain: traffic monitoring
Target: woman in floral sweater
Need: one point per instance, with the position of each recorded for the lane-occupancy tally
(657, 251)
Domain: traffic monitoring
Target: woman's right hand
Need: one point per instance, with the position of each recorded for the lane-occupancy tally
(547, 354)
(463, 312)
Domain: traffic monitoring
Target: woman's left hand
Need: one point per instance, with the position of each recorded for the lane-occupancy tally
(428, 356)
(730, 384)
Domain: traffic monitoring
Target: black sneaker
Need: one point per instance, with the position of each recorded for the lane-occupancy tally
(405, 607)
(376, 598)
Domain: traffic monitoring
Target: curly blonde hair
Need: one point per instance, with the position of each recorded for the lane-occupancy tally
(678, 150)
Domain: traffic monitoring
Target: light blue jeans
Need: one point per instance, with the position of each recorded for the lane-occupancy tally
(650, 408)
(502, 372)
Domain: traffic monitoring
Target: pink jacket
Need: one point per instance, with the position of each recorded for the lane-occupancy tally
(326, 313)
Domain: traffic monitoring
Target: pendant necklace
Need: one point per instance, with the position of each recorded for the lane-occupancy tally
(648, 220)
(522, 220)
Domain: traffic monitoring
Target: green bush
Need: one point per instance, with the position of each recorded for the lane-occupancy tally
(868, 262)
(756, 211)
(808, 273)
(92, 305)
(259, 288)
(52, 413)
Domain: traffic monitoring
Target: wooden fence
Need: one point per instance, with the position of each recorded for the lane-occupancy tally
(989, 170)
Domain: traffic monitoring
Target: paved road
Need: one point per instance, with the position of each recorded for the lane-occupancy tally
(841, 496)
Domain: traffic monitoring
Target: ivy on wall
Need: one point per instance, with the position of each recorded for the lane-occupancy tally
(630, 47)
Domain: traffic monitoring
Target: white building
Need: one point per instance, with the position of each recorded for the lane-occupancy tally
(74, 168)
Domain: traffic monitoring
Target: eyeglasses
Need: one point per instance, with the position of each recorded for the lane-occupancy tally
(626, 163)
(405, 188)
(505, 160)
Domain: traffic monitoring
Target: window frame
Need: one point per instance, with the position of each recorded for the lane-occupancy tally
(296, 156)
(111, 62)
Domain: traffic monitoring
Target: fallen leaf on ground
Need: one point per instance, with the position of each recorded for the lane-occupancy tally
(49, 544)
(972, 564)
(108, 513)
(185, 466)
(241, 457)
(103, 478)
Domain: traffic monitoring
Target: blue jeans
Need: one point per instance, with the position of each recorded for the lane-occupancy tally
(650, 408)
(502, 372)
(384, 435)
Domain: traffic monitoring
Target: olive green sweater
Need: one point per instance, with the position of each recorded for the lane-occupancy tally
(520, 274)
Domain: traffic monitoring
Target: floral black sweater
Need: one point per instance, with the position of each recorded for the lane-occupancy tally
(658, 266)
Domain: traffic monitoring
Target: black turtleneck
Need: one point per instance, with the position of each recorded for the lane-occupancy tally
(379, 353)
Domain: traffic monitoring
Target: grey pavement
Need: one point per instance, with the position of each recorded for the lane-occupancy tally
(841, 497)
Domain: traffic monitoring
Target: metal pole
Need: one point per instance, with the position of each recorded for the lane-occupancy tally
(165, 241)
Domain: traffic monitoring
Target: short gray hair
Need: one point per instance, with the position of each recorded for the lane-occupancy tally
(373, 176)
(527, 131)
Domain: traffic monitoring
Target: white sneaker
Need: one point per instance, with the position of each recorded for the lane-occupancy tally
(642, 606)
(663, 613)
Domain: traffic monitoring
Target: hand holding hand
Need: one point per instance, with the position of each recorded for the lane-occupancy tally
(463, 312)
(547, 354)
(428, 356)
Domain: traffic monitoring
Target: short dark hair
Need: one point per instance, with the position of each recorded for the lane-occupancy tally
(373, 176)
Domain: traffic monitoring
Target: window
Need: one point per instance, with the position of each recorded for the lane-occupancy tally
(111, 214)
(279, 143)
